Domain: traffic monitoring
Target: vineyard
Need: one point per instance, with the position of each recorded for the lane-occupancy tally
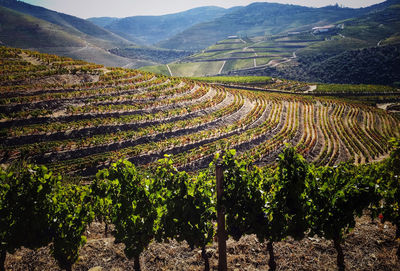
(151, 151)
(236, 54)
(270, 210)
(77, 118)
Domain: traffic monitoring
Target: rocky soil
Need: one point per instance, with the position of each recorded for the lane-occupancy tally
(371, 246)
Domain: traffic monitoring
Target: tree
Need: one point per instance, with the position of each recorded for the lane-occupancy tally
(186, 206)
(133, 214)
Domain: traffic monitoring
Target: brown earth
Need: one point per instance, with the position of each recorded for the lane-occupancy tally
(63, 79)
(371, 246)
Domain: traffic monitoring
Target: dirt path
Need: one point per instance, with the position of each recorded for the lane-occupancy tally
(255, 59)
(385, 106)
(127, 65)
(311, 89)
(169, 70)
(222, 67)
(82, 48)
(32, 60)
(277, 62)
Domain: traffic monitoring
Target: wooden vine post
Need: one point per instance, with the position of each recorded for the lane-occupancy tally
(221, 232)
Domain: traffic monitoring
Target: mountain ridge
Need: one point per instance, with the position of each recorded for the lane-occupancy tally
(250, 21)
(69, 23)
(32, 31)
(148, 30)
(32, 27)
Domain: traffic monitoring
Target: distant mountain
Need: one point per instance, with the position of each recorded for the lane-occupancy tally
(24, 31)
(259, 19)
(375, 26)
(73, 25)
(374, 65)
(102, 21)
(367, 51)
(380, 27)
(31, 27)
(147, 30)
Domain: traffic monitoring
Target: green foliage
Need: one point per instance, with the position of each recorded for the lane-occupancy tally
(388, 188)
(186, 205)
(32, 198)
(335, 197)
(243, 198)
(289, 193)
(271, 207)
(346, 88)
(272, 203)
(24, 204)
(69, 215)
(101, 192)
(133, 214)
(163, 56)
(371, 65)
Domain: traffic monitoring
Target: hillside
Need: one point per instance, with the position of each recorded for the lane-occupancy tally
(375, 27)
(28, 26)
(376, 65)
(274, 147)
(370, 30)
(365, 51)
(21, 30)
(94, 116)
(258, 19)
(102, 21)
(76, 118)
(151, 54)
(73, 25)
(147, 30)
(241, 54)
(61, 34)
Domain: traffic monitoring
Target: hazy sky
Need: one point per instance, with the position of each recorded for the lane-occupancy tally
(125, 8)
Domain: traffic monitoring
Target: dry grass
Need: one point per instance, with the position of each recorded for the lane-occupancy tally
(371, 246)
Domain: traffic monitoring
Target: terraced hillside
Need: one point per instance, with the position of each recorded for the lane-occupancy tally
(77, 117)
(237, 54)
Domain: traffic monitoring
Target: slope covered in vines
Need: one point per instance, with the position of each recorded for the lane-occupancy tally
(77, 117)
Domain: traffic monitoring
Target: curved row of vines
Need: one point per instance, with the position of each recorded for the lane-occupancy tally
(80, 127)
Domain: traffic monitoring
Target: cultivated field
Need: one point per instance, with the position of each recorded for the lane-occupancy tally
(77, 117)
(236, 54)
